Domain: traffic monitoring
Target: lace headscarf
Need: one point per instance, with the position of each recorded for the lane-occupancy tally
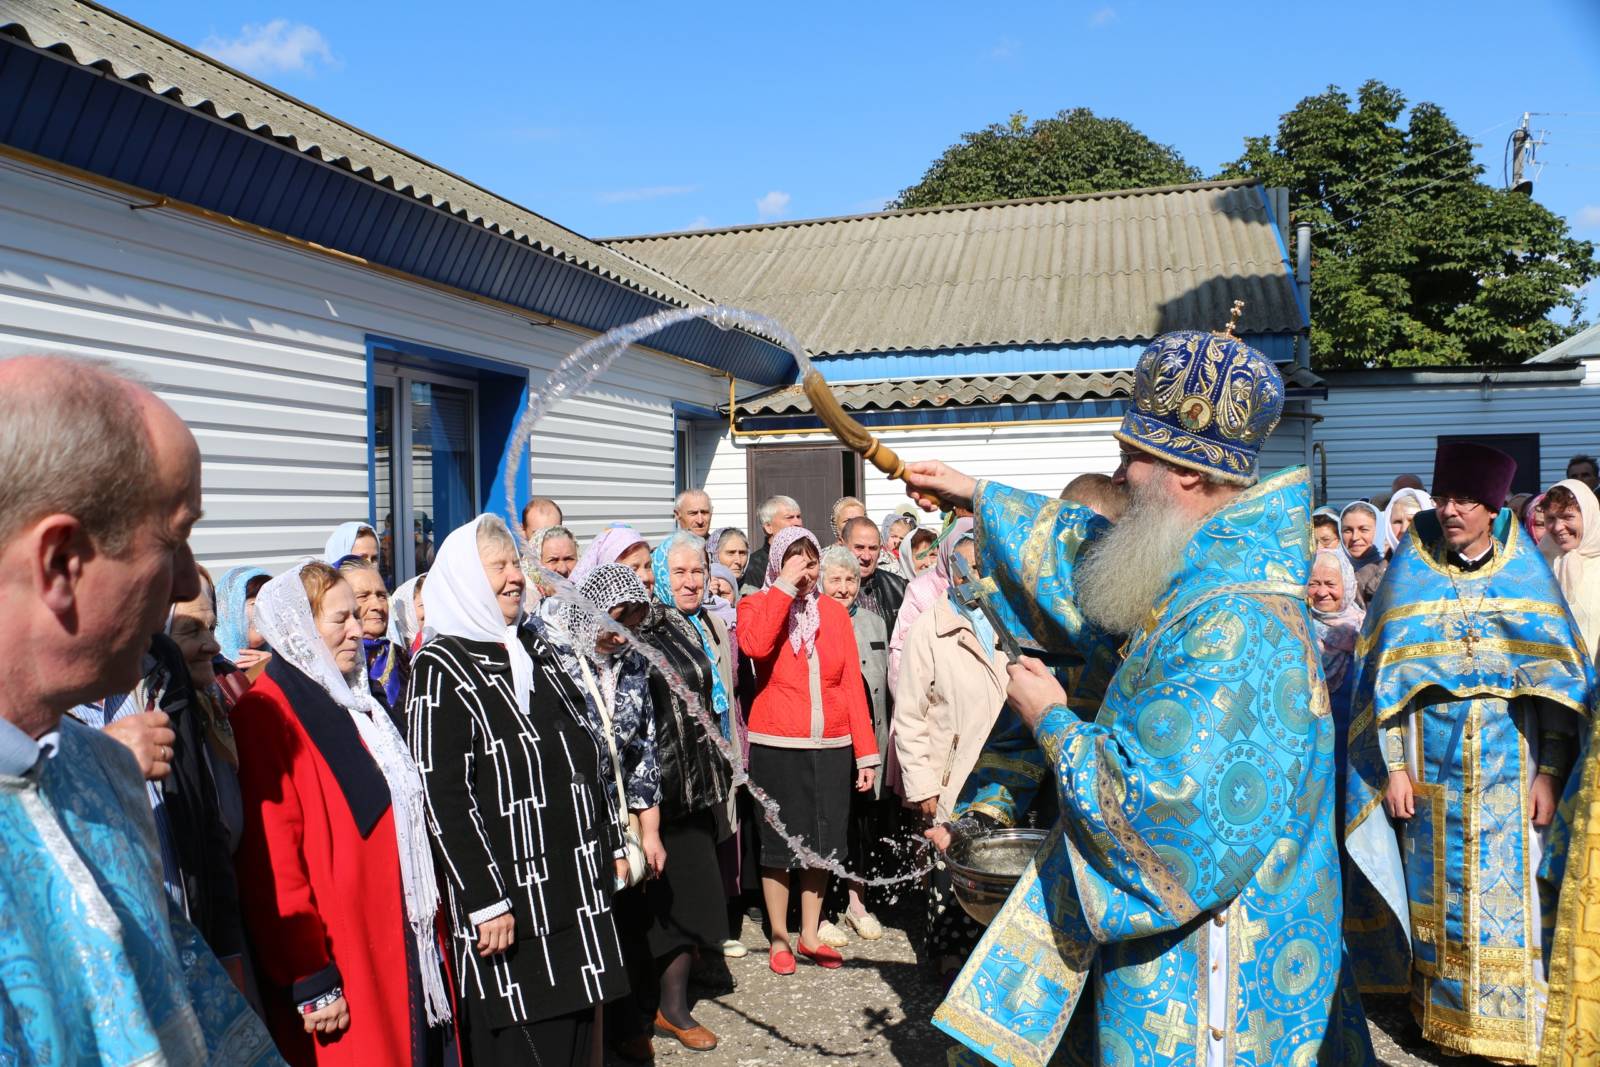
(343, 539)
(1337, 631)
(462, 604)
(285, 620)
(233, 621)
(805, 618)
(610, 545)
(403, 628)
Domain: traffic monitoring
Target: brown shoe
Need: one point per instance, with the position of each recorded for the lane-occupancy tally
(697, 1038)
(636, 1049)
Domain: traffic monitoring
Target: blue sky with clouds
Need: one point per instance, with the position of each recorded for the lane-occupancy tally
(628, 118)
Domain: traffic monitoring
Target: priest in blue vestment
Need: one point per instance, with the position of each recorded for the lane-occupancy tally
(1187, 902)
(1471, 677)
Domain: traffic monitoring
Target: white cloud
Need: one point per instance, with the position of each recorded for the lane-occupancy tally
(276, 47)
(1588, 217)
(1007, 48)
(699, 222)
(1102, 16)
(648, 192)
(773, 206)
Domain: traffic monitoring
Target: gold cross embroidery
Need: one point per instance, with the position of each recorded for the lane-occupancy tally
(1256, 1039)
(1172, 1027)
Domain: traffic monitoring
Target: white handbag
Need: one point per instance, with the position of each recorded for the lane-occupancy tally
(632, 838)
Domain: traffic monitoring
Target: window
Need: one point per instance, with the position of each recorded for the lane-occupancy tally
(425, 465)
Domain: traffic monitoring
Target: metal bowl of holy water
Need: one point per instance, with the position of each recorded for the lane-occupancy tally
(984, 867)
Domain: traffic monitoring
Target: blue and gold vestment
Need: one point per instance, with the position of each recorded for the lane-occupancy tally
(89, 972)
(1193, 877)
(1466, 680)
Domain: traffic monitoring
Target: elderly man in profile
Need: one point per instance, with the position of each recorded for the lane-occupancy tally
(1193, 874)
(775, 513)
(692, 511)
(99, 487)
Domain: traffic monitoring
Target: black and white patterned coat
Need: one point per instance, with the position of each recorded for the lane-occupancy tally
(520, 823)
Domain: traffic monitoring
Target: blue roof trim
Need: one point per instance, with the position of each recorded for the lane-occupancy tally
(1104, 355)
(84, 119)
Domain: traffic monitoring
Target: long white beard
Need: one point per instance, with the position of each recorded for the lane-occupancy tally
(1126, 570)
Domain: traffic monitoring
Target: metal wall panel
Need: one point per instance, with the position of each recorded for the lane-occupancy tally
(262, 348)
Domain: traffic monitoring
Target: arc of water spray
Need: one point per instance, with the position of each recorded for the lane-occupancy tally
(577, 372)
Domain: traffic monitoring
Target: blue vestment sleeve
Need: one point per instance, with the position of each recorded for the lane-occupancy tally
(1171, 811)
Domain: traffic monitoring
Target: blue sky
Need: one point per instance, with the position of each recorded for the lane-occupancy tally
(628, 118)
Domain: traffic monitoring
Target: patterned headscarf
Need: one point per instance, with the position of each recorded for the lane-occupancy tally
(660, 567)
(610, 545)
(233, 622)
(1337, 631)
(805, 617)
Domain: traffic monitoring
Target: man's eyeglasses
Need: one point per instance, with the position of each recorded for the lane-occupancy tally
(1130, 456)
(1459, 503)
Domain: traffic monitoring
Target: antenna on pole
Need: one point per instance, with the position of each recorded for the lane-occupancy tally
(1524, 150)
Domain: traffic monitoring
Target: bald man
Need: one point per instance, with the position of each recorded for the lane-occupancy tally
(1405, 481)
(99, 489)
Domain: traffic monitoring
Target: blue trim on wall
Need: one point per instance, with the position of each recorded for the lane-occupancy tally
(372, 440)
(694, 412)
(85, 119)
(952, 362)
(1283, 253)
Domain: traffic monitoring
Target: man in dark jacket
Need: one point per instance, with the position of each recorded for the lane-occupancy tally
(774, 514)
(882, 592)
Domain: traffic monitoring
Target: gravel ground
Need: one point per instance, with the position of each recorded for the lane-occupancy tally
(875, 1010)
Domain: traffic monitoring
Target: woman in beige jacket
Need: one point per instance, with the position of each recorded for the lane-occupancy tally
(951, 687)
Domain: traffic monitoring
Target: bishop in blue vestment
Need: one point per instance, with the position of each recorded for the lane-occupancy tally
(1188, 900)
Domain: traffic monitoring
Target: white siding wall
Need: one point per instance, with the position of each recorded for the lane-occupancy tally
(1373, 435)
(261, 348)
(1041, 459)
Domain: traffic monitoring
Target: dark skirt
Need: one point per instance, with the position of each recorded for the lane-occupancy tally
(685, 907)
(812, 788)
(564, 1040)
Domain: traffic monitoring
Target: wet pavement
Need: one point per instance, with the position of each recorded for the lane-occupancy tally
(875, 1010)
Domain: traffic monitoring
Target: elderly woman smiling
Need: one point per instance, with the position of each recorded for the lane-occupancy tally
(525, 835)
(388, 665)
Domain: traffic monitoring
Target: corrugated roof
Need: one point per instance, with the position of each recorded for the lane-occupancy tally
(96, 37)
(909, 394)
(1585, 344)
(1100, 266)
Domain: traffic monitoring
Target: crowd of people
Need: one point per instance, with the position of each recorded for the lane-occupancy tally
(499, 814)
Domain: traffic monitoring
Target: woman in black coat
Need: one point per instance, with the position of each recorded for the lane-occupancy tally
(526, 843)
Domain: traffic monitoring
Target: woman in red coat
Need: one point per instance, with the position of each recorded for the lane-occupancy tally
(335, 871)
(810, 734)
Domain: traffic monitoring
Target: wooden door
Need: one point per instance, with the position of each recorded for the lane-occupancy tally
(815, 475)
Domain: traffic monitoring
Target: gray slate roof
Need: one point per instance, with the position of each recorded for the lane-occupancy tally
(1124, 265)
(96, 37)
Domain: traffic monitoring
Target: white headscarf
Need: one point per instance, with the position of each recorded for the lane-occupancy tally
(284, 619)
(1578, 571)
(1386, 538)
(462, 604)
(403, 614)
(343, 539)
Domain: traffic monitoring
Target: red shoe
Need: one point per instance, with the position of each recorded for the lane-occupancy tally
(822, 955)
(781, 960)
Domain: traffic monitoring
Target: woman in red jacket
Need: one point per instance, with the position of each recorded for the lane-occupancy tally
(335, 865)
(810, 734)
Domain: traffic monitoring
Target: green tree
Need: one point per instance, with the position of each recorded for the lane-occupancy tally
(1074, 152)
(1415, 260)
